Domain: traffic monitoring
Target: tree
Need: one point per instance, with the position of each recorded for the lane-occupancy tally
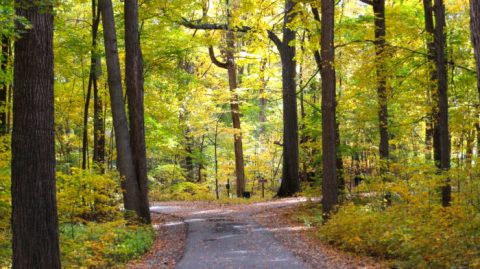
(329, 183)
(475, 33)
(125, 164)
(135, 93)
(34, 209)
(92, 82)
(290, 181)
(441, 67)
(95, 72)
(435, 25)
(381, 73)
(231, 67)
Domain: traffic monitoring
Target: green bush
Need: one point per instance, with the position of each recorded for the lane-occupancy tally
(182, 191)
(86, 196)
(103, 245)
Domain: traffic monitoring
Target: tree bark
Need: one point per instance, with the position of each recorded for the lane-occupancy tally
(381, 70)
(339, 160)
(125, 161)
(290, 181)
(443, 129)
(34, 211)
(95, 72)
(432, 131)
(135, 93)
(475, 33)
(235, 111)
(330, 184)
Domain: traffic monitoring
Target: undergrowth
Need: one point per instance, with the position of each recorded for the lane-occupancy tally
(415, 231)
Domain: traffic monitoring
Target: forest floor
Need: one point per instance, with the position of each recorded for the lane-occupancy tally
(258, 235)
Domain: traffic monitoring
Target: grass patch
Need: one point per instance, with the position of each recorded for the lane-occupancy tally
(101, 245)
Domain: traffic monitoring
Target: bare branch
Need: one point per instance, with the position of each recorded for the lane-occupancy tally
(214, 59)
(212, 26)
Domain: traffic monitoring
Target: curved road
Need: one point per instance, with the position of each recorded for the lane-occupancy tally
(228, 237)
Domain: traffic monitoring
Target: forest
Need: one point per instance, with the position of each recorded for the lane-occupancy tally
(153, 133)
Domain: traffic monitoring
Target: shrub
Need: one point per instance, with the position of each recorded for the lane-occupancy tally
(103, 245)
(87, 196)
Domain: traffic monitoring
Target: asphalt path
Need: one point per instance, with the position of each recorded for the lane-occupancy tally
(230, 238)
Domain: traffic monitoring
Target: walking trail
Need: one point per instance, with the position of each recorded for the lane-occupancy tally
(201, 235)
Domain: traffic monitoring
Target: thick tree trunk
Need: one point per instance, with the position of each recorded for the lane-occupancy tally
(475, 32)
(432, 131)
(34, 210)
(339, 160)
(329, 185)
(125, 161)
(290, 181)
(5, 46)
(135, 92)
(381, 69)
(443, 129)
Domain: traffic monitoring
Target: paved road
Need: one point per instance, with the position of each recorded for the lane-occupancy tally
(230, 239)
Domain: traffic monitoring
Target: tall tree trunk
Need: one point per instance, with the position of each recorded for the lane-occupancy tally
(125, 161)
(329, 185)
(85, 125)
(381, 69)
(339, 160)
(290, 181)
(5, 46)
(475, 32)
(34, 209)
(92, 83)
(135, 93)
(95, 72)
(235, 107)
(444, 135)
(432, 131)
(235, 110)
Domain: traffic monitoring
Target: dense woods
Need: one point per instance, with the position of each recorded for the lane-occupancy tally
(107, 107)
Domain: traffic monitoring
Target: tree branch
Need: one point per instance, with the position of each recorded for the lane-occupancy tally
(368, 2)
(197, 25)
(212, 26)
(275, 39)
(452, 63)
(214, 59)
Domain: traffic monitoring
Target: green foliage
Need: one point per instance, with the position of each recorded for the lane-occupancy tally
(87, 196)
(93, 233)
(413, 236)
(182, 191)
(415, 231)
(103, 245)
